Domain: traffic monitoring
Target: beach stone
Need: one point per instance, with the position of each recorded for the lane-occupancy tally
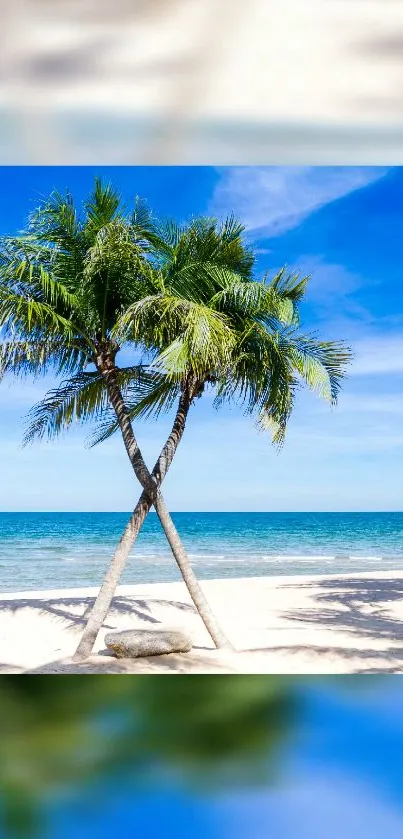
(134, 643)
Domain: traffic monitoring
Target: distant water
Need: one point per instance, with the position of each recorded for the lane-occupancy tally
(53, 550)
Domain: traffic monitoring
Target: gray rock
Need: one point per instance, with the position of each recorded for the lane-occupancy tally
(133, 643)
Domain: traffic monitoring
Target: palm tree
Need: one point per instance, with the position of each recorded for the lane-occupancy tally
(68, 286)
(204, 272)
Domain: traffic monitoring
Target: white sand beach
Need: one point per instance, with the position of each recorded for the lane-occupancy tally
(314, 625)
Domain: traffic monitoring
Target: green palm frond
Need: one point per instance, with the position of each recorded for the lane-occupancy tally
(55, 292)
(192, 336)
(78, 399)
(323, 365)
(55, 225)
(292, 286)
(148, 232)
(253, 299)
(142, 220)
(26, 314)
(101, 209)
(171, 234)
(33, 358)
(115, 273)
(265, 374)
(151, 395)
(31, 275)
(203, 241)
(81, 399)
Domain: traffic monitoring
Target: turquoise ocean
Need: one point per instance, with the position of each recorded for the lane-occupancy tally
(68, 550)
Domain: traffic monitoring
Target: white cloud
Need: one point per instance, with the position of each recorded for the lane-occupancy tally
(379, 355)
(274, 199)
(388, 403)
(352, 442)
(333, 291)
(328, 280)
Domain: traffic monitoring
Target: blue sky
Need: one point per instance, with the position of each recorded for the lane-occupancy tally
(343, 226)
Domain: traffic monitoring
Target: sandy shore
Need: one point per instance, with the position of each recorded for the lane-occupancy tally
(318, 624)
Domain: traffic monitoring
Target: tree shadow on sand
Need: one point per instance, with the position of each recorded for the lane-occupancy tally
(65, 608)
(385, 661)
(349, 600)
(342, 605)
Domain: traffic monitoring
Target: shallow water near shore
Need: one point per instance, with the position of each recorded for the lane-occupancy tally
(51, 550)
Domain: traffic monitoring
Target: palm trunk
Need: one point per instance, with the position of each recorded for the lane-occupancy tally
(111, 580)
(103, 601)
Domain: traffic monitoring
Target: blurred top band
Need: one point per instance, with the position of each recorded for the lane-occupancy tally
(196, 81)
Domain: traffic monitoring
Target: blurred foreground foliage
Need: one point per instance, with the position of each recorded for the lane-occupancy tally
(62, 735)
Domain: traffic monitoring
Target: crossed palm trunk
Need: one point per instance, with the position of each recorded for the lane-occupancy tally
(151, 496)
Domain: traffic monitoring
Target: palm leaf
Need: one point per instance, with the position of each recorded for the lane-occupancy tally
(35, 358)
(101, 209)
(150, 396)
(81, 398)
(322, 365)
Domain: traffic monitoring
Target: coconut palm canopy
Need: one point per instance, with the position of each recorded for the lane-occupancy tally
(183, 298)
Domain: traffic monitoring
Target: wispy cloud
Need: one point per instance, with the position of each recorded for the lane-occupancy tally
(358, 403)
(333, 289)
(381, 440)
(274, 199)
(378, 355)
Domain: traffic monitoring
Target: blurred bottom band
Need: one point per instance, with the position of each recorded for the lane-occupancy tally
(209, 755)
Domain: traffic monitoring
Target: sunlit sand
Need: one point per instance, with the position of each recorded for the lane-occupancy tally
(318, 624)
